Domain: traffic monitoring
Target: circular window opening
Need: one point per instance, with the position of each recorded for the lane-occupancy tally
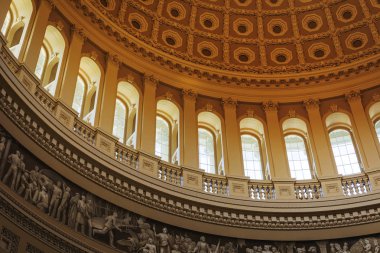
(347, 15)
(319, 53)
(171, 41)
(206, 52)
(312, 24)
(242, 29)
(243, 1)
(281, 58)
(277, 29)
(136, 24)
(207, 23)
(357, 43)
(273, 1)
(104, 3)
(243, 58)
(174, 12)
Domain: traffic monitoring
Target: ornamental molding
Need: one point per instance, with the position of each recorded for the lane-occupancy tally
(270, 106)
(311, 104)
(229, 102)
(253, 76)
(353, 96)
(189, 94)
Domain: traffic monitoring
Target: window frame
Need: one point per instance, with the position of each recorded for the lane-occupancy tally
(354, 143)
(126, 117)
(163, 117)
(45, 63)
(209, 130)
(259, 140)
(303, 136)
(84, 94)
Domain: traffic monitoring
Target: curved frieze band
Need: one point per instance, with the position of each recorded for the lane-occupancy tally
(54, 197)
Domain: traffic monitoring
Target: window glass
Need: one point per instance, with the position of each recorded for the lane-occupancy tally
(78, 95)
(206, 150)
(346, 159)
(377, 128)
(119, 120)
(252, 157)
(41, 63)
(162, 139)
(6, 24)
(297, 157)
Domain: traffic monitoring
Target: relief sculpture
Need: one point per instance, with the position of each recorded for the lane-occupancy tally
(94, 217)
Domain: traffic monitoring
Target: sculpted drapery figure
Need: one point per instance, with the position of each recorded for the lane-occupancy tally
(109, 225)
(14, 160)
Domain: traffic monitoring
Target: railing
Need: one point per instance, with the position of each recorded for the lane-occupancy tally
(126, 155)
(261, 190)
(45, 98)
(356, 185)
(308, 190)
(170, 173)
(215, 184)
(85, 131)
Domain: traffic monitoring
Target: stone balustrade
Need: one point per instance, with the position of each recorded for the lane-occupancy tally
(308, 190)
(356, 185)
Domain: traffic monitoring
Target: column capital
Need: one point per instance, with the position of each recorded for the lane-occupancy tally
(189, 94)
(151, 80)
(79, 31)
(270, 106)
(229, 102)
(353, 96)
(114, 59)
(311, 104)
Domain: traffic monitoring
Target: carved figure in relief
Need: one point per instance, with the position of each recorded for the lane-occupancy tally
(175, 249)
(2, 145)
(23, 183)
(366, 245)
(149, 247)
(20, 171)
(14, 160)
(81, 214)
(31, 187)
(73, 210)
(109, 225)
(89, 214)
(43, 199)
(62, 208)
(376, 246)
(345, 248)
(202, 246)
(55, 198)
(163, 240)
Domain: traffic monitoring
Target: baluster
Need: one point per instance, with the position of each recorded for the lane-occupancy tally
(345, 188)
(352, 188)
(362, 186)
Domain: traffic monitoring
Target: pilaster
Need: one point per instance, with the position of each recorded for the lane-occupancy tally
(108, 99)
(190, 129)
(371, 156)
(323, 156)
(276, 143)
(37, 35)
(234, 152)
(70, 76)
(148, 133)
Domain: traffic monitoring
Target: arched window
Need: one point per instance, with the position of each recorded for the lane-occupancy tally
(377, 128)
(206, 150)
(119, 120)
(79, 95)
(162, 139)
(41, 63)
(6, 24)
(344, 151)
(297, 157)
(252, 157)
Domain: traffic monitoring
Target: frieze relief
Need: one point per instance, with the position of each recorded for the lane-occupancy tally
(55, 197)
